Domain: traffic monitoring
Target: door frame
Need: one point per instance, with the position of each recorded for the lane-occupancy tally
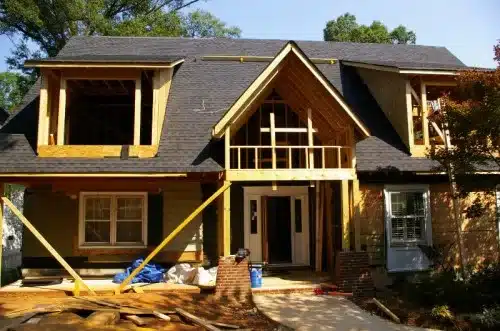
(257, 192)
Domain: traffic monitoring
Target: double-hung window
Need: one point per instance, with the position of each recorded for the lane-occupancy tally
(113, 219)
(407, 212)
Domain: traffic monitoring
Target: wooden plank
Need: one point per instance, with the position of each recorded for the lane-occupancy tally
(165, 84)
(310, 139)
(265, 242)
(316, 222)
(137, 112)
(103, 65)
(227, 219)
(61, 117)
(47, 245)
(425, 112)
(224, 325)
(273, 140)
(172, 235)
(196, 320)
(344, 203)
(96, 151)
(329, 225)
(43, 111)
(161, 316)
(289, 174)
(386, 310)
(409, 117)
(287, 130)
(415, 95)
(357, 214)
(155, 107)
(227, 148)
(20, 321)
(320, 222)
(136, 320)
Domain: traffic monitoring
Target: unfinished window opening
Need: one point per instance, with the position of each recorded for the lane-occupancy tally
(101, 112)
(113, 219)
(434, 104)
(276, 134)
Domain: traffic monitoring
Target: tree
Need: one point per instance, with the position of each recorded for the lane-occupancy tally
(471, 126)
(201, 24)
(12, 88)
(345, 28)
(41, 28)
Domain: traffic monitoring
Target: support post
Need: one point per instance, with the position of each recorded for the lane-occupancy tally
(409, 116)
(49, 247)
(310, 138)
(61, 117)
(43, 125)
(356, 198)
(317, 226)
(273, 139)
(344, 203)
(137, 112)
(425, 120)
(227, 148)
(172, 235)
(226, 224)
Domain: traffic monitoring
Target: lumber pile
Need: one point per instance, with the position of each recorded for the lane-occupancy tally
(86, 313)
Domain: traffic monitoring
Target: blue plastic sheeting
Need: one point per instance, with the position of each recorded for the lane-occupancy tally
(151, 273)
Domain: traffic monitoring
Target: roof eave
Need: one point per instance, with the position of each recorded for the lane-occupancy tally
(404, 71)
(55, 64)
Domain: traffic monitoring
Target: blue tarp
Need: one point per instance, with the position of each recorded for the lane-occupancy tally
(151, 273)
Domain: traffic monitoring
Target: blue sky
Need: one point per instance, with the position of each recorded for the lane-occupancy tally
(468, 28)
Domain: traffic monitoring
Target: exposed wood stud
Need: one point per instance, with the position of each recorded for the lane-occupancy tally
(409, 117)
(310, 138)
(227, 219)
(357, 214)
(256, 156)
(227, 148)
(61, 118)
(43, 126)
(344, 201)
(273, 139)
(316, 214)
(425, 114)
(323, 158)
(137, 112)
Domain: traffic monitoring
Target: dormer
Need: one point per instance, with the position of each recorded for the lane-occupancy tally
(408, 93)
(102, 106)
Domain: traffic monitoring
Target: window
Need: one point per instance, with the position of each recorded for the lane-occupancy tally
(113, 219)
(407, 214)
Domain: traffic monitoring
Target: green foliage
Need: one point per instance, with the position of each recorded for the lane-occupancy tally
(442, 312)
(345, 28)
(489, 317)
(12, 88)
(202, 24)
(472, 115)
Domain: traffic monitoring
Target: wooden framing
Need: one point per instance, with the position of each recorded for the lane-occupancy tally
(43, 111)
(137, 112)
(61, 116)
(101, 64)
(317, 213)
(92, 175)
(290, 174)
(273, 141)
(310, 139)
(161, 88)
(172, 235)
(264, 78)
(78, 280)
(226, 220)
(96, 151)
(425, 120)
(409, 115)
(227, 150)
(356, 199)
(78, 74)
(401, 71)
(344, 201)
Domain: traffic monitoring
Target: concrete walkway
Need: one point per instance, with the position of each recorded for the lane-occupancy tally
(310, 312)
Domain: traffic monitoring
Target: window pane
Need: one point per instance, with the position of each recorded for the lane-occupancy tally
(253, 217)
(97, 208)
(129, 232)
(298, 216)
(129, 208)
(397, 229)
(407, 203)
(97, 232)
(414, 228)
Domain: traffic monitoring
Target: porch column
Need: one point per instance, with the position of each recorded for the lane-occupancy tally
(61, 117)
(423, 105)
(224, 240)
(344, 204)
(356, 199)
(137, 112)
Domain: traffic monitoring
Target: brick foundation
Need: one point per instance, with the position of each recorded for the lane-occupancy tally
(352, 273)
(233, 280)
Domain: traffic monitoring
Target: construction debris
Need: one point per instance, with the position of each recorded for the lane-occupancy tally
(386, 310)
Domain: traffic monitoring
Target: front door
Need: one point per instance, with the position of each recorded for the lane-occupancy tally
(277, 225)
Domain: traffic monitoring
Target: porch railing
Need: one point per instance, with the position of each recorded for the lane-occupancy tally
(290, 157)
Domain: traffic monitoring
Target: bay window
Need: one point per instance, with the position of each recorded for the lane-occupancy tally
(113, 219)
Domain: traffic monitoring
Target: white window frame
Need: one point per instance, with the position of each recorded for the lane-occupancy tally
(427, 226)
(113, 220)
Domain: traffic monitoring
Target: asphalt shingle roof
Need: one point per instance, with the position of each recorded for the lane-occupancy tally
(203, 90)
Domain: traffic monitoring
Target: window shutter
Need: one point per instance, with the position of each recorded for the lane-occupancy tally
(155, 219)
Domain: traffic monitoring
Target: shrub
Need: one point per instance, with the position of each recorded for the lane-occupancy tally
(442, 313)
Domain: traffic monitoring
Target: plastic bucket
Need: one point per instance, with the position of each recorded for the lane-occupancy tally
(256, 276)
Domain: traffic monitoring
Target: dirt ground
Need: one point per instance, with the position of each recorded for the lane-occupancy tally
(202, 305)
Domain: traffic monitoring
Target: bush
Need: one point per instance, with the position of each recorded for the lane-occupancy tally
(489, 317)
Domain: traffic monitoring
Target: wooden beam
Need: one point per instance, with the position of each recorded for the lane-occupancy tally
(289, 174)
(317, 227)
(344, 203)
(137, 112)
(425, 112)
(96, 151)
(329, 225)
(415, 95)
(287, 130)
(227, 148)
(310, 138)
(43, 125)
(165, 84)
(273, 140)
(47, 245)
(409, 117)
(172, 235)
(104, 64)
(92, 175)
(227, 220)
(356, 198)
(155, 110)
(61, 118)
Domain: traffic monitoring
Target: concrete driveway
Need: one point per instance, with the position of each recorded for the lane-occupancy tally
(310, 312)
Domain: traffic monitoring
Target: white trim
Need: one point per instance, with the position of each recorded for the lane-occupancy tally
(401, 71)
(113, 220)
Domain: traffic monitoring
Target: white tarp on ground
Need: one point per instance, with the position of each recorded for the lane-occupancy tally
(184, 273)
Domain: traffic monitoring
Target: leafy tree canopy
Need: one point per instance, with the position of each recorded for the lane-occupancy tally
(345, 28)
(12, 88)
(202, 24)
(473, 120)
